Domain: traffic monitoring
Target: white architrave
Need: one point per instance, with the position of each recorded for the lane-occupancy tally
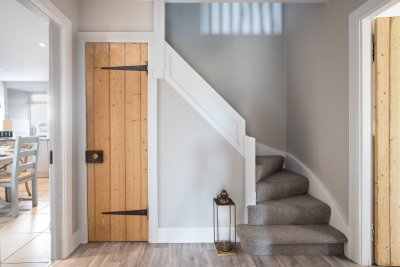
(62, 236)
(137, 37)
(360, 245)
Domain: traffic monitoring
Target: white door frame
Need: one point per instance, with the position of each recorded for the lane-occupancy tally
(360, 246)
(62, 240)
(124, 37)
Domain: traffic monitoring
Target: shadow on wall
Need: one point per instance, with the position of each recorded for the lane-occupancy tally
(239, 50)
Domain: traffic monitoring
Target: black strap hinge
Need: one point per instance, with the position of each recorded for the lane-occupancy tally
(127, 212)
(128, 68)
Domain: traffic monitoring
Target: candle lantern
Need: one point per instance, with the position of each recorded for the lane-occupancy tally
(224, 210)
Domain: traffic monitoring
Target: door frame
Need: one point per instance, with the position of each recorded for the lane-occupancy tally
(123, 37)
(63, 240)
(361, 177)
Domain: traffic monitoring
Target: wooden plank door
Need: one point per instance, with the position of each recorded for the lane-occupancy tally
(387, 141)
(117, 125)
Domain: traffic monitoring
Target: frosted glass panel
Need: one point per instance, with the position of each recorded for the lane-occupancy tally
(241, 18)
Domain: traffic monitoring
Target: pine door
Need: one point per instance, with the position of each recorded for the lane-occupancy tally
(387, 141)
(116, 97)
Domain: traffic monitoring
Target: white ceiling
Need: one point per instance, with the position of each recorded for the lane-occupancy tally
(21, 58)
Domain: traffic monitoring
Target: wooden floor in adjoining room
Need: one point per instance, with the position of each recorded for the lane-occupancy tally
(182, 255)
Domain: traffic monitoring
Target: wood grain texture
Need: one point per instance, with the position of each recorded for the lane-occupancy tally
(102, 140)
(395, 141)
(117, 141)
(382, 145)
(117, 124)
(133, 175)
(193, 255)
(144, 232)
(90, 113)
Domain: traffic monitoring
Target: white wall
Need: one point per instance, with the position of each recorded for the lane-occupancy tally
(70, 8)
(248, 71)
(195, 162)
(115, 16)
(17, 105)
(28, 86)
(317, 51)
(2, 103)
(391, 12)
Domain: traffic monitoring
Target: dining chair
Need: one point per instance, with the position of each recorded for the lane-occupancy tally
(24, 169)
(22, 160)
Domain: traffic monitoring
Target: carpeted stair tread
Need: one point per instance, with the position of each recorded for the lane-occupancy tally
(283, 183)
(302, 209)
(267, 165)
(289, 234)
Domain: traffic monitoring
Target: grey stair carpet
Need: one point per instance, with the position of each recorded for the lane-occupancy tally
(285, 219)
(260, 240)
(267, 165)
(303, 209)
(283, 183)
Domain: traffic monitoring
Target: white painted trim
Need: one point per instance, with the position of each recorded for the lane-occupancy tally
(318, 190)
(159, 37)
(188, 235)
(250, 173)
(185, 235)
(263, 150)
(360, 243)
(204, 99)
(64, 181)
(145, 37)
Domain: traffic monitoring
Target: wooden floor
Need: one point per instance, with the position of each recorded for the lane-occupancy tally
(190, 255)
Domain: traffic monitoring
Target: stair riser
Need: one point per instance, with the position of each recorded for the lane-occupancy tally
(276, 191)
(274, 215)
(268, 250)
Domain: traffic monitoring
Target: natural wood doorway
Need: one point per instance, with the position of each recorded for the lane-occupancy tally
(116, 100)
(387, 141)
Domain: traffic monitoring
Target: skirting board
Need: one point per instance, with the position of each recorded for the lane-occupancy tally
(317, 189)
(186, 235)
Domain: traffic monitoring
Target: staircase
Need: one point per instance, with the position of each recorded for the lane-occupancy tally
(285, 219)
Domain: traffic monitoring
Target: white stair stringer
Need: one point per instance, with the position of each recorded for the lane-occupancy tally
(204, 99)
(215, 110)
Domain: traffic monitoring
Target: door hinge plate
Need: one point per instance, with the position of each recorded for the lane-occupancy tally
(128, 68)
(127, 212)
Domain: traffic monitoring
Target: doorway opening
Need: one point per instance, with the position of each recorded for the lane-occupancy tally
(24, 87)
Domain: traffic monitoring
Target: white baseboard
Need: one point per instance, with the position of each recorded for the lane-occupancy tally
(76, 241)
(318, 190)
(185, 235)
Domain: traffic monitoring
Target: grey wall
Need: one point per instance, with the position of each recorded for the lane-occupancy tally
(247, 71)
(317, 50)
(2, 103)
(195, 162)
(70, 8)
(17, 105)
(115, 16)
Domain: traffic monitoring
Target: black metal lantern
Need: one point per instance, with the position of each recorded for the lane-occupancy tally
(224, 211)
